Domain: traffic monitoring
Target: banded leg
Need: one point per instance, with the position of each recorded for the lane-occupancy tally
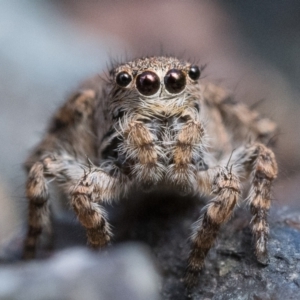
(188, 149)
(225, 185)
(241, 121)
(38, 211)
(72, 124)
(66, 171)
(259, 161)
(95, 186)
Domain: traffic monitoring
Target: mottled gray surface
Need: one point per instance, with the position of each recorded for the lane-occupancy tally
(231, 270)
(163, 223)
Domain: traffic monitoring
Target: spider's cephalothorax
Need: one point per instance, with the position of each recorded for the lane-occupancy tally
(154, 124)
(155, 137)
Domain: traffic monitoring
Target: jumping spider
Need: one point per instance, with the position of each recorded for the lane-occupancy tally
(154, 124)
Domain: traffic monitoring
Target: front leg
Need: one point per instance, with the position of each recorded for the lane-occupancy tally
(226, 186)
(61, 155)
(96, 186)
(66, 171)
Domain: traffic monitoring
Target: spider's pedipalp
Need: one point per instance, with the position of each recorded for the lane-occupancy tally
(187, 150)
(140, 147)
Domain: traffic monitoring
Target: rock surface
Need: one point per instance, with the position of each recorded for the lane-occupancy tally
(164, 224)
(231, 271)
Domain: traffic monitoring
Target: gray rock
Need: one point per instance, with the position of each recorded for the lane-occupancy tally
(231, 270)
(163, 222)
(126, 272)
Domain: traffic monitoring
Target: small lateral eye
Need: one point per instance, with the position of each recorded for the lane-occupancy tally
(123, 79)
(194, 72)
(147, 83)
(175, 81)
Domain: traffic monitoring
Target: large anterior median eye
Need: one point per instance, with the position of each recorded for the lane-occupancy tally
(147, 83)
(123, 79)
(175, 81)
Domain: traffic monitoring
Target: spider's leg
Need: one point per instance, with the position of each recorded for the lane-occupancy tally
(70, 138)
(258, 162)
(66, 171)
(226, 187)
(256, 159)
(96, 186)
(38, 211)
(240, 121)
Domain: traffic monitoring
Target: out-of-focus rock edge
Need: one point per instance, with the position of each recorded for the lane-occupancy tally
(127, 272)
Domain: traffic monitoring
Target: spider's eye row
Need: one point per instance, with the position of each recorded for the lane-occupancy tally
(147, 83)
(194, 72)
(175, 81)
(123, 79)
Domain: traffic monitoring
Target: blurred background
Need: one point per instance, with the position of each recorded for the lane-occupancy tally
(48, 47)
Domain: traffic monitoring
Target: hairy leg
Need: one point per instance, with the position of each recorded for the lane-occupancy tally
(255, 160)
(87, 186)
(258, 162)
(38, 211)
(96, 186)
(226, 187)
(241, 122)
(66, 171)
(58, 156)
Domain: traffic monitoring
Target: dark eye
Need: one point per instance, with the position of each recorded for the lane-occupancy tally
(123, 79)
(175, 81)
(194, 72)
(148, 83)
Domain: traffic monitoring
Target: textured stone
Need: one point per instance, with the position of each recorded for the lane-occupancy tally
(231, 270)
(164, 222)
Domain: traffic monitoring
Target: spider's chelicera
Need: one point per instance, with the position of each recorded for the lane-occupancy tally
(154, 124)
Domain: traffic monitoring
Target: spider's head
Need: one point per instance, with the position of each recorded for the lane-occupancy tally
(154, 85)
